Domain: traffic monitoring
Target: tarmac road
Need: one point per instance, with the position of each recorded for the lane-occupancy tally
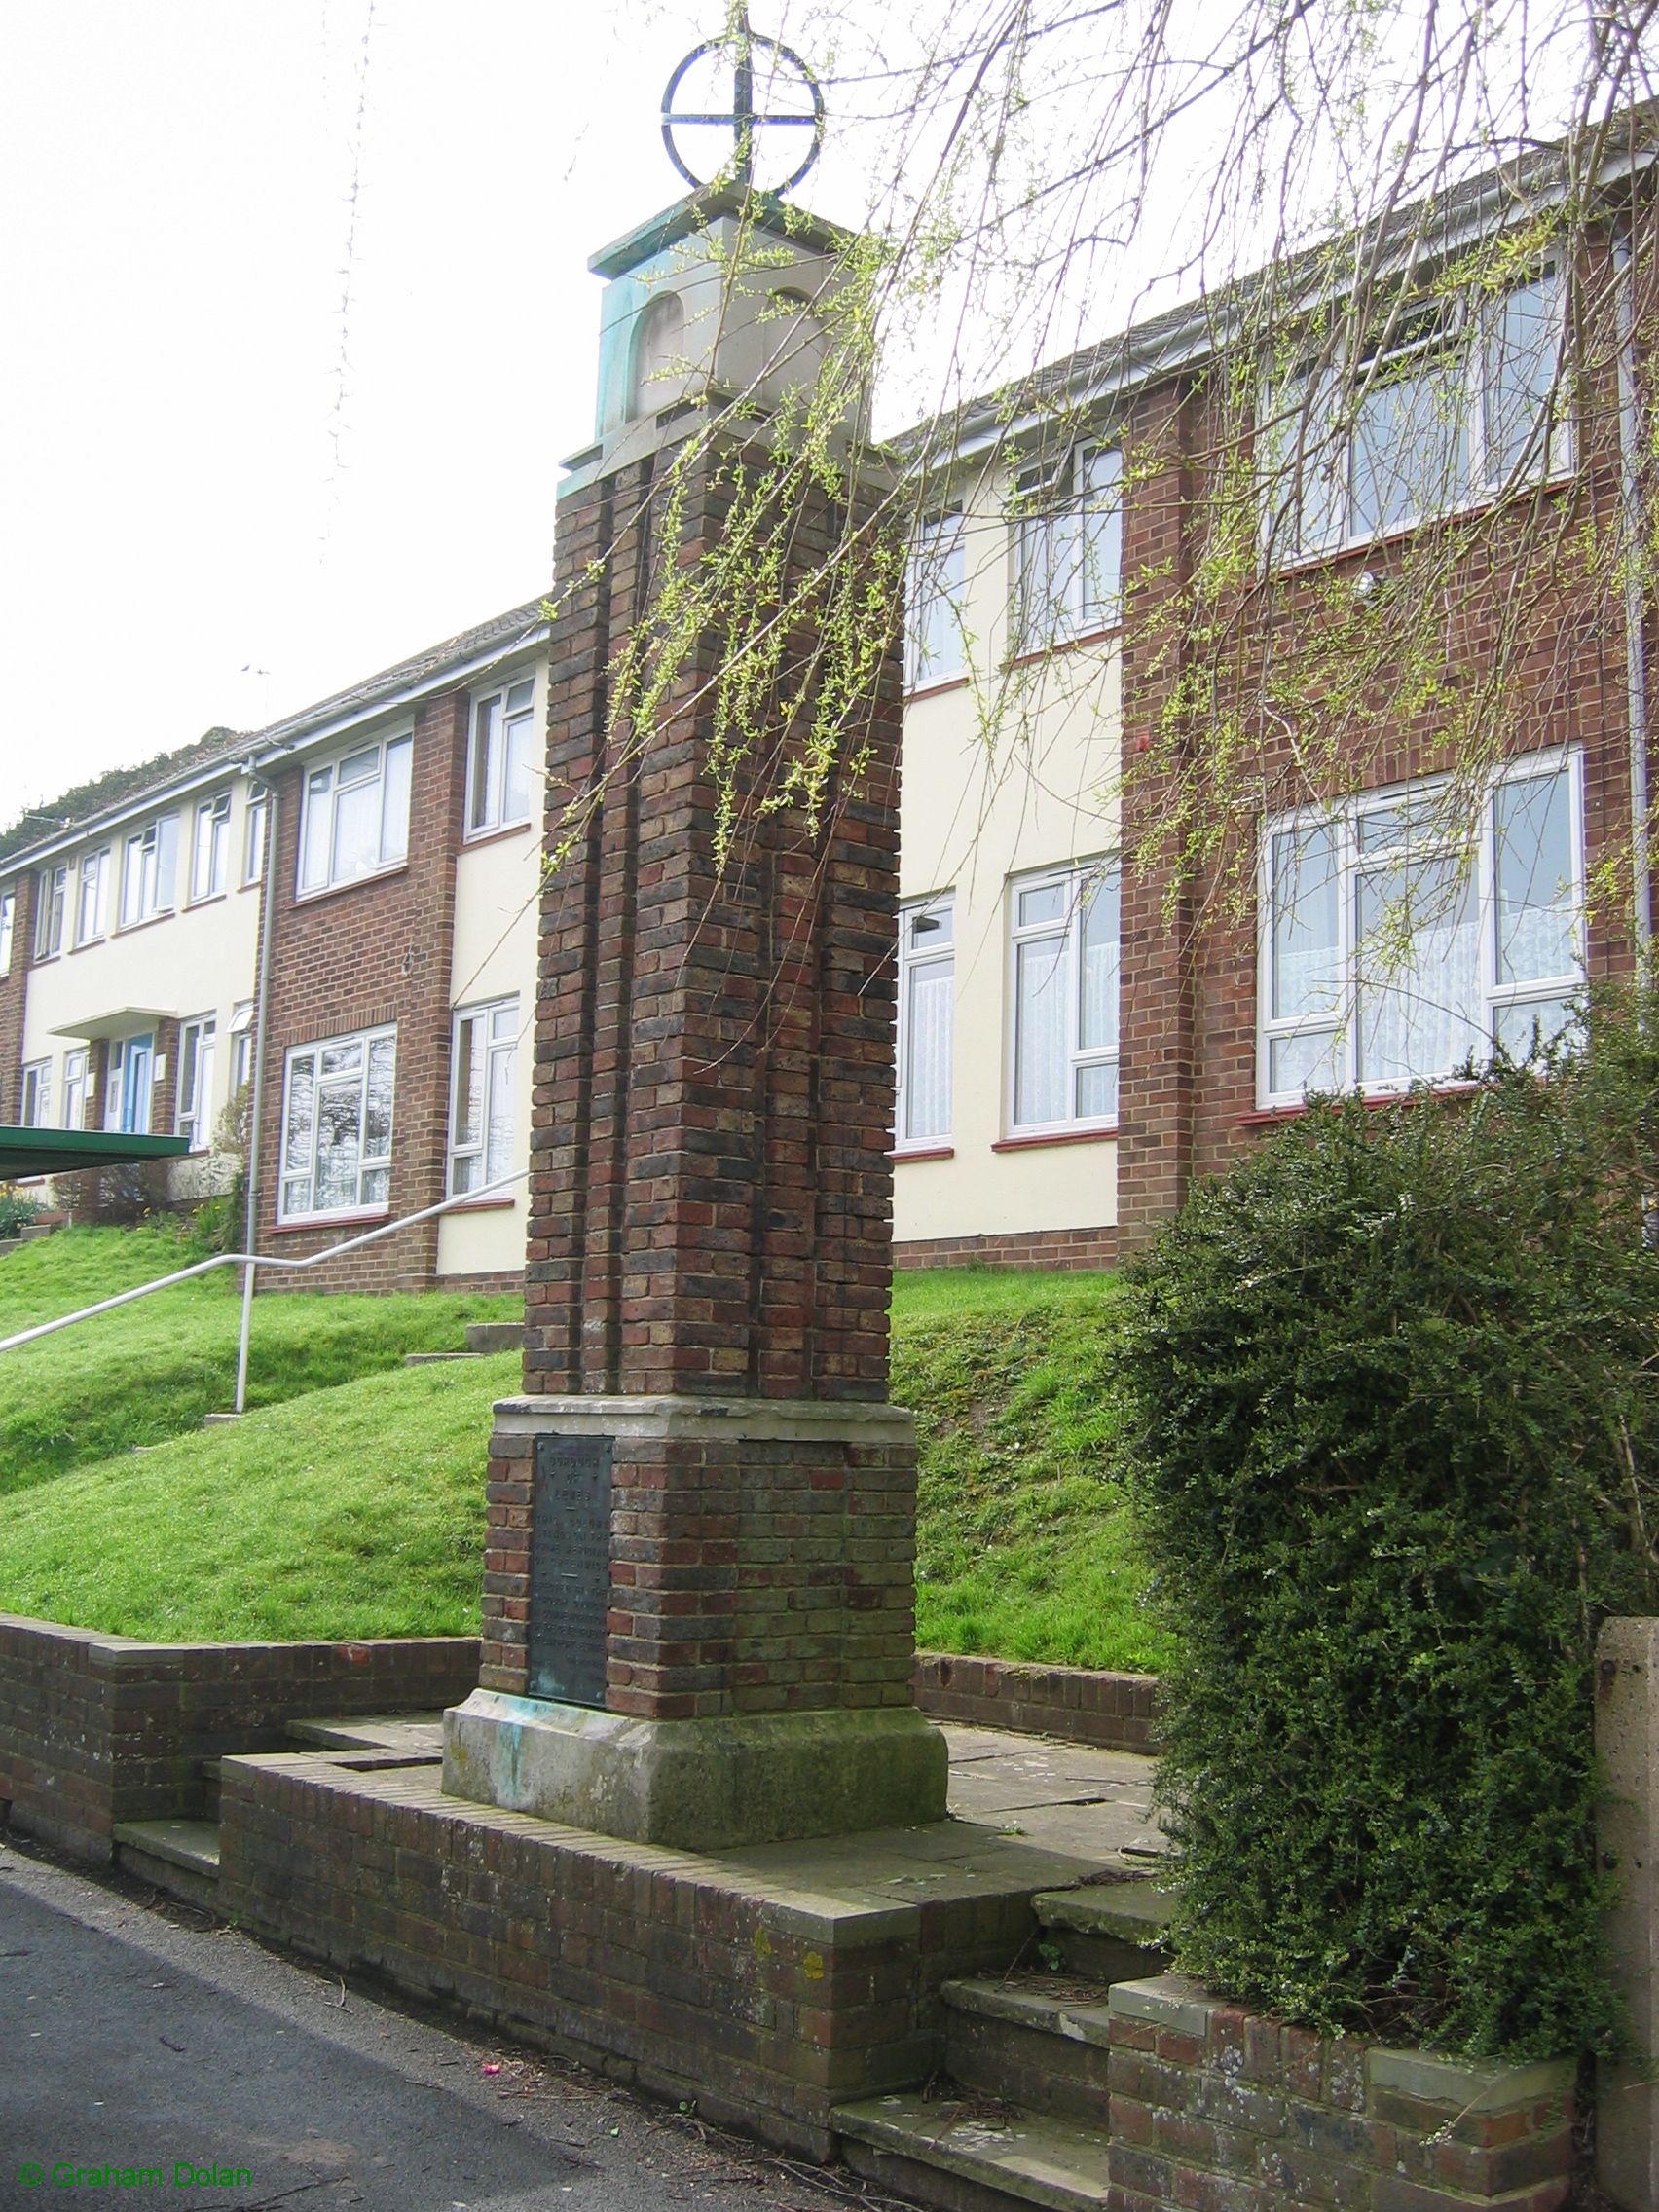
(134, 2046)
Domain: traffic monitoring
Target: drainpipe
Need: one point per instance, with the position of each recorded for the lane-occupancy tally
(1635, 656)
(267, 931)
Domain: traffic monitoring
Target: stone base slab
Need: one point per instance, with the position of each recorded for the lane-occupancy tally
(698, 1784)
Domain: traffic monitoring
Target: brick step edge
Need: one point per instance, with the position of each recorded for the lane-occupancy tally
(1027, 2005)
(1083, 1704)
(1024, 2161)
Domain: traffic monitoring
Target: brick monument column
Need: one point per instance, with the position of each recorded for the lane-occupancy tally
(698, 1610)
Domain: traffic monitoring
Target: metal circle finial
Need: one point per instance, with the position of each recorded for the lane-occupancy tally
(791, 98)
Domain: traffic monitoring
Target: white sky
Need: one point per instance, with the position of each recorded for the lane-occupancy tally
(176, 180)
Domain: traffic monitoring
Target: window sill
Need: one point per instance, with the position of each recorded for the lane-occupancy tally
(301, 1221)
(88, 944)
(1265, 1116)
(149, 922)
(476, 838)
(252, 884)
(502, 1205)
(207, 899)
(922, 1152)
(937, 691)
(1098, 637)
(356, 883)
(1385, 543)
(1057, 1136)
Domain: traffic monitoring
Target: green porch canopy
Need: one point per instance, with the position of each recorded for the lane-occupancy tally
(54, 1151)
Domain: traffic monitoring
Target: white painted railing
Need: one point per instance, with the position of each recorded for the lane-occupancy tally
(252, 1261)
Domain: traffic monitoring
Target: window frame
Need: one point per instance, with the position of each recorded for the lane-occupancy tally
(241, 1034)
(1074, 877)
(367, 1163)
(8, 927)
(34, 1095)
(939, 584)
(387, 858)
(150, 842)
(1469, 323)
(495, 1049)
(494, 817)
(1494, 994)
(256, 815)
(193, 1114)
(76, 1064)
(910, 963)
(52, 909)
(215, 813)
(1040, 506)
(99, 864)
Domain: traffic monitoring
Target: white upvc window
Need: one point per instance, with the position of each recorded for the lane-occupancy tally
(127, 1093)
(481, 1095)
(253, 838)
(8, 928)
(1401, 941)
(354, 819)
(149, 871)
(1457, 400)
(501, 758)
(51, 898)
(74, 1114)
(210, 853)
(1063, 984)
(936, 588)
(337, 1107)
(927, 1000)
(36, 1108)
(242, 1044)
(194, 1114)
(92, 898)
(1069, 548)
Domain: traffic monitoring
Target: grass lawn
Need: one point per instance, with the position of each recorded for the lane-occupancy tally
(152, 1370)
(351, 1502)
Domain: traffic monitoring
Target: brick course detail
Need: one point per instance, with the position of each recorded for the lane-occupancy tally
(1117, 1712)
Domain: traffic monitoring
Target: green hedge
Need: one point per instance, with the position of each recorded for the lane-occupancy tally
(1391, 1418)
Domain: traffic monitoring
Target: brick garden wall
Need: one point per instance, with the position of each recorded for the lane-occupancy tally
(1023, 1249)
(1116, 1712)
(97, 1729)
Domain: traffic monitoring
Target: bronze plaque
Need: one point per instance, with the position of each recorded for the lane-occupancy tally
(569, 1569)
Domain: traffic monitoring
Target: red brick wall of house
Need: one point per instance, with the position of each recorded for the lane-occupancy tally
(1190, 957)
(369, 954)
(14, 992)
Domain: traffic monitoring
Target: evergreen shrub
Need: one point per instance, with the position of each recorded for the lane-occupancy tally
(1390, 1415)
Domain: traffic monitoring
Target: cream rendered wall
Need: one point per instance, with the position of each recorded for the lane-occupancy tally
(199, 959)
(494, 955)
(1014, 768)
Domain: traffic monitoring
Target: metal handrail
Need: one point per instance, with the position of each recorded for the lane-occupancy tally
(251, 1261)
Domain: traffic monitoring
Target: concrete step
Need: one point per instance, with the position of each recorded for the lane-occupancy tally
(1105, 1932)
(1032, 2040)
(495, 1336)
(967, 2157)
(179, 1857)
(437, 1358)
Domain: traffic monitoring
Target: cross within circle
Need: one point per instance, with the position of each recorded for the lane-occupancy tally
(789, 76)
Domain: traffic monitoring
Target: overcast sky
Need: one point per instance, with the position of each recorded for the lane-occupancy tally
(222, 496)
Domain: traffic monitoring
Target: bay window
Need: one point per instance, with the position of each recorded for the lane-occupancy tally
(499, 764)
(1069, 547)
(336, 1107)
(1064, 927)
(1402, 940)
(481, 1097)
(355, 818)
(935, 581)
(927, 996)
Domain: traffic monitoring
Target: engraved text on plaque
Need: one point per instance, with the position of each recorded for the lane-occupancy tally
(569, 1569)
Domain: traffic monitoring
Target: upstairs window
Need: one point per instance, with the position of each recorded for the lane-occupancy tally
(355, 816)
(8, 929)
(253, 838)
(92, 898)
(1064, 951)
(36, 1108)
(149, 871)
(1401, 943)
(935, 581)
(194, 1119)
(498, 775)
(1069, 549)
(337, 1105)
(50, 896)
(481, 1113)
(1454, 403)
(210, 858)
(242, 1044)
(927, 998)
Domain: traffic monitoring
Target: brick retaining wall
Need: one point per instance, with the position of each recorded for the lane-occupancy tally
(98, 1730)
(1217, 2108)
(1062, 1248)
(1113, 1711)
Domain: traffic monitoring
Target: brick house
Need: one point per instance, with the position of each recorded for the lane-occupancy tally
(1078, 1035)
